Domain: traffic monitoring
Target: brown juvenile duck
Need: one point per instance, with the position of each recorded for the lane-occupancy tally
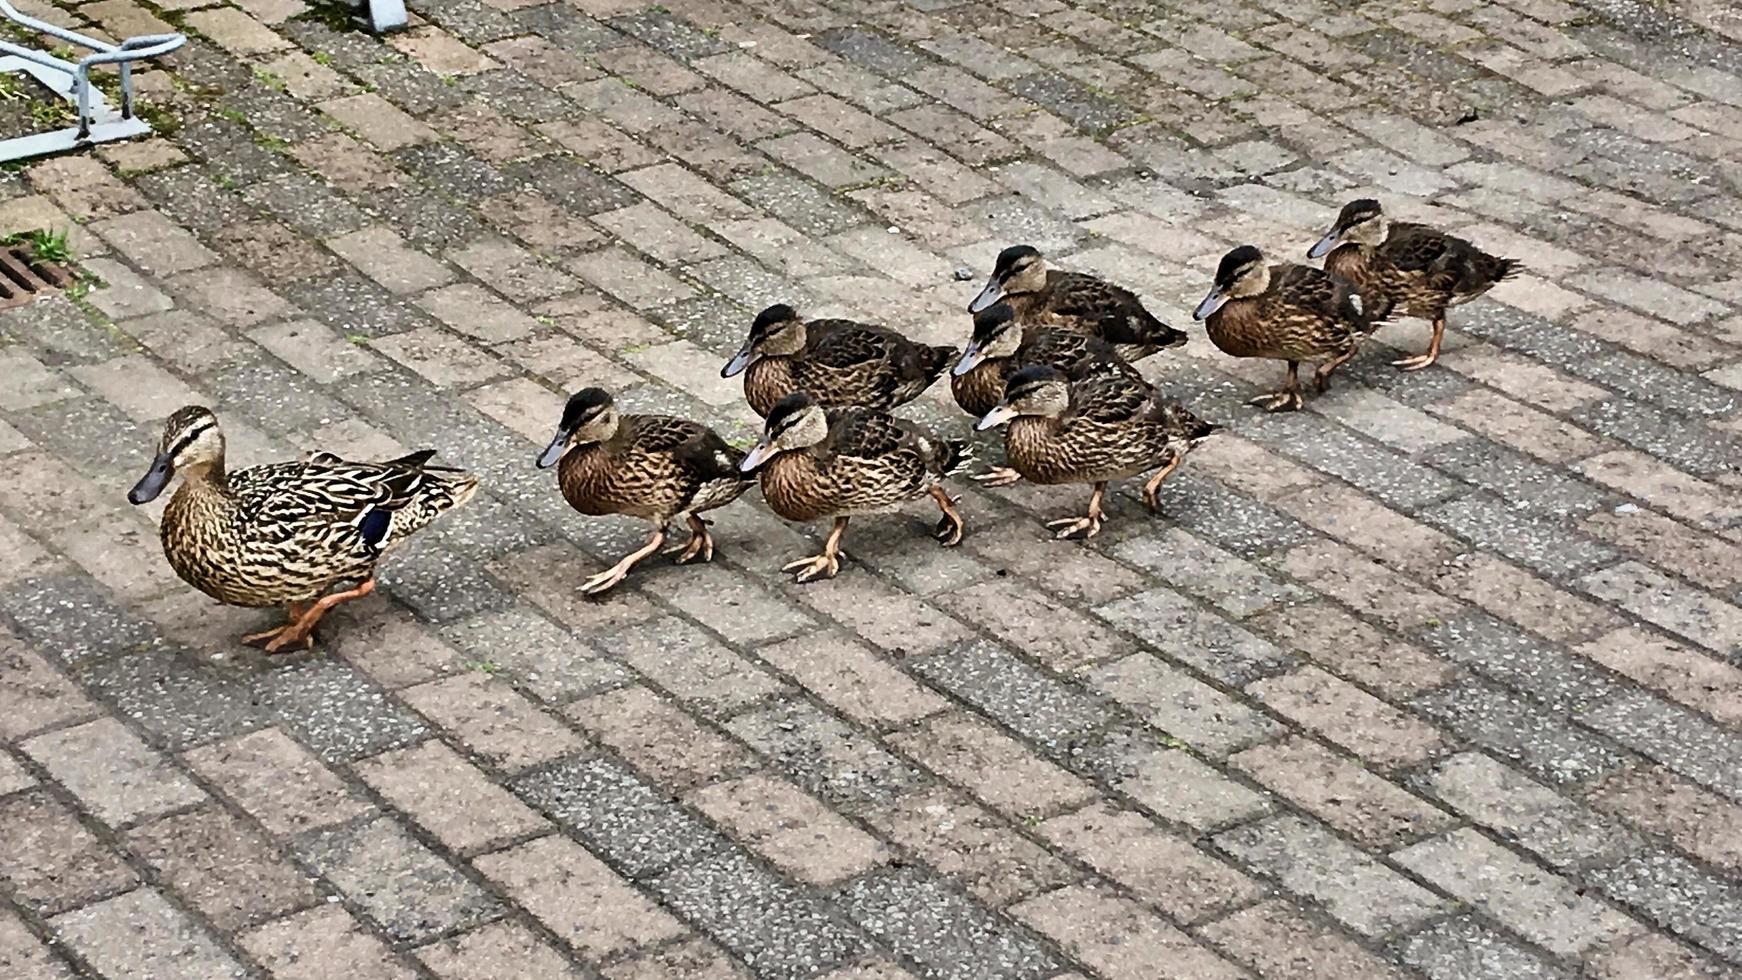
(1073, 301)
(1000, 347)
(653, 467)
(1289, 312)
(1408, 269)
(839, 361)
(849, 461)
(1105, 426)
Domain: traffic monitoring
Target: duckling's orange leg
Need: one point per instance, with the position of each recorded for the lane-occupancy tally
(1153, 487)
(1420, 361)
(302, 627)
(1322, 376)
(611, 576)
(1286, 400)
(950, 526)
(1088, 526)
(825, 565)
(700, 543)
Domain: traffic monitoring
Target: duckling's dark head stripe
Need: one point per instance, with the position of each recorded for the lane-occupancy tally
(990, 320)
(1357, 211)
(583, 405)
(767, 319)
(1234, 261)
(1010, 257)
(1031, 378)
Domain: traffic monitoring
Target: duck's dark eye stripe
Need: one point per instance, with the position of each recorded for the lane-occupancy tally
(188, 437)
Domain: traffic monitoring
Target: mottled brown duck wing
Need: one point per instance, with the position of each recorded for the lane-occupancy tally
(1110, 312)
(1318, 293)
(1108, 397)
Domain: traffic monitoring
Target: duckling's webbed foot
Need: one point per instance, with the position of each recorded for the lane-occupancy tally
(1279, 401)
(814, 567)
(950, 527)
(997, 476)
(1420, 361)
(825, 565)
(1088, 526)
(1286, 400)
(700, 544)
(605, 580)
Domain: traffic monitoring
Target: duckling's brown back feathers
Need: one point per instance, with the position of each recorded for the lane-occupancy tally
(1449, 263)
(1111, 312)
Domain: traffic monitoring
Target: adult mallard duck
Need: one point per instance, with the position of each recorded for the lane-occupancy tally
(1408, 269)
(815, 464)
(1107, 426)
(1042, 297)
(841, 362)
(653, 467)
(283, 534)
(1289, 312)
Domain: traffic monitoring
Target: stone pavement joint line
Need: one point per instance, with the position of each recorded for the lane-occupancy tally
(1440, 678)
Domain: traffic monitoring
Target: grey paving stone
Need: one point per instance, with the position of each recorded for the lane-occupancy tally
(1024, 698)
(454, 170)
(65, 428)
(424, 218)
(1184, 631)
(73, 619)
(1538, 543)
(357, 307)
(1242, 525)
(566, 27)
(1678, 738)
(283, 398)
(674, 36)
(1671, 891)
(1082, 108)
(1682, 442)
(1308, 859)
(141, 934)
(1381, 472)
(632, 826)
(176, 696)
(1520, 731)
(306, 204)
(1540, 670)
(874, 51)
(799, 204)
(339, 712)
(409, 892)
(191, 197)
(474, 22)
(839, 763)
(536, 654)
(1518, 809)
(1464, 949)
(572, 184)
(1517, 479)
(951, 935)
(778, 930)
(517, 97)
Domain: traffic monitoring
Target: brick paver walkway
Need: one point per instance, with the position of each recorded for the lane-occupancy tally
(1438, 678)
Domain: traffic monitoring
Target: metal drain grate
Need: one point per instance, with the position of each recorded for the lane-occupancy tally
(23, 278)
